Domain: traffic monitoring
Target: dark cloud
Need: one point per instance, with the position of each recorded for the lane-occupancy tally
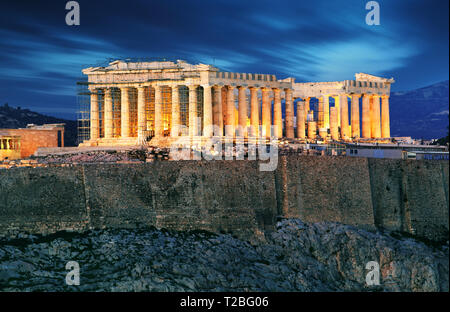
(41, 57)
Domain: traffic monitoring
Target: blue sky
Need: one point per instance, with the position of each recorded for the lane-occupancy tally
(41, 57)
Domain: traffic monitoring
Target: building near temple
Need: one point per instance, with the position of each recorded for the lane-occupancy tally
(24, 142)
(131, 103)
(9, 147)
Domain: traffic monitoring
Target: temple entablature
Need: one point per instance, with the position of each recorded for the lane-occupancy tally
(133, 74)
(363, 84)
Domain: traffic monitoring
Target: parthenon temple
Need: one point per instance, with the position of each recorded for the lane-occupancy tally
(134, 102)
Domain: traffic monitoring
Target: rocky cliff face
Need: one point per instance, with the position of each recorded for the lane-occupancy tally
(296, 257)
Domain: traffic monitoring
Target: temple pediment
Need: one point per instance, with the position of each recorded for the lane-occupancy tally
(372, 78)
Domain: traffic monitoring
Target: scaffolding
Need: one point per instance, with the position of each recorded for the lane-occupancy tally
(116, 112)
(83, 115)
(184, 108)
(132, 93)
(200, 109)
(101, 112)
(166, 98)
(149, 111)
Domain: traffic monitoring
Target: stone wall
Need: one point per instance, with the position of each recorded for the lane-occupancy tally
(229, 196)
(411, 196)
(31, 139)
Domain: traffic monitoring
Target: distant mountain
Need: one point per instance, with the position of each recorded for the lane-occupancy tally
(13, 118)
(420, 113)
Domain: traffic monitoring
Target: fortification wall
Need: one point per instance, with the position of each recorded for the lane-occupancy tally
(228, 196)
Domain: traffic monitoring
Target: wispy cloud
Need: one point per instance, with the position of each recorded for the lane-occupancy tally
(41, 57)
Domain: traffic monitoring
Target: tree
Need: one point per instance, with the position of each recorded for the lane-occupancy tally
(443, 141)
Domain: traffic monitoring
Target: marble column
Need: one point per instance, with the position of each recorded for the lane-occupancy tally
(320, 116)
(277, 114)
(326, 111)
(337, 104)
(375, 117)
(242, 112)
(385, 123)
(95, 126)
(312, 129)
(355, 115)
(334, 129)
(343, 101)
(207, 112)
(231, 121)
(218, 110)
(193, 125)
(307, 106)
(142, 118)
(108, 114)
(224, 92)
(366, 116)
(175, 131)
(289, 114)
(301, 119)
(254, 112)
(159, 126)
(266, 113)
(125, 112)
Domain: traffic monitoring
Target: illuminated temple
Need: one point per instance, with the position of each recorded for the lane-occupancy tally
(132, 103)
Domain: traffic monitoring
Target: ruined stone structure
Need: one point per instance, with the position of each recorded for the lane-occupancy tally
(22, 143)
(9, 147)
(131, 102)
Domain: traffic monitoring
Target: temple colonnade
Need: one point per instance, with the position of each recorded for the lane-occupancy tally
(163, 110)
(133, 101)
(345, 120)
(159, 110)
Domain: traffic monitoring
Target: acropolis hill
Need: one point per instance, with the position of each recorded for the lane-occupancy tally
(133, 102)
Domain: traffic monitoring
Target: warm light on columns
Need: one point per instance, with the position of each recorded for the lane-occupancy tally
(307, 108)
(175, 131)
(375, 117)
(193, 110)
(230, 126)
(254, 112)
(207, 112)
(266, 113)
(218, 110)
(385, 123)
(125, 112)
(326, 111)
(337, 104)
(312, 129)
(334, 130)
(242, 112)
(320, 116)
(366, 124)
(141, 114)
(95, 126)
(277, 113)
(301, 119)
(355, 115)
(343, 101)
(159, 126)
(289, 114)
(108, 114)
